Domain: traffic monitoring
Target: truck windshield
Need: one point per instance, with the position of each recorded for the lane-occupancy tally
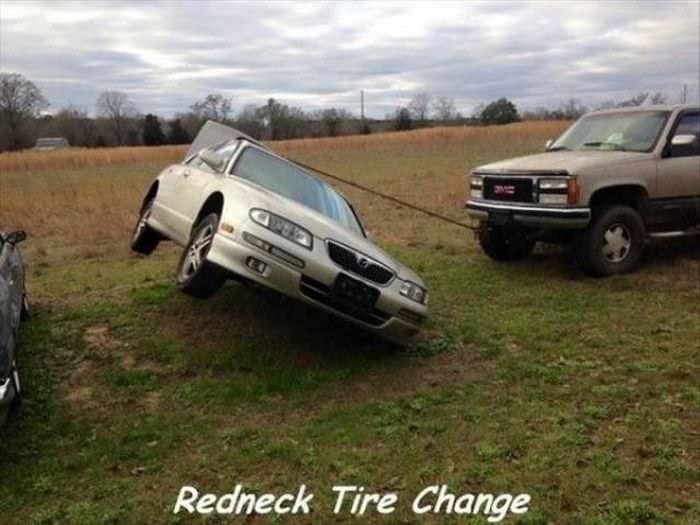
(623, 131)
(294, 183)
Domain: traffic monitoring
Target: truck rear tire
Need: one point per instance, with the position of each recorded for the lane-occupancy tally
(613, 242)
(504, 243)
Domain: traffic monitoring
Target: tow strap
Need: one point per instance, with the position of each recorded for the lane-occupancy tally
(390, 198)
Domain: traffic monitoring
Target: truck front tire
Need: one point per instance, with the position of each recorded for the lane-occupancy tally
(613, 242)
(505, 243)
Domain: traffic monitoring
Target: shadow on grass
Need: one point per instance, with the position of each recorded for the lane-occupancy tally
(247, 343)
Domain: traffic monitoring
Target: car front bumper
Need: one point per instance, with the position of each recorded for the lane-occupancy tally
(394, 317)
(503, 213)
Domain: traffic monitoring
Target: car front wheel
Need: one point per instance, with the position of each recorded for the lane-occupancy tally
(195, 275)
(613, 242)
(504, 243)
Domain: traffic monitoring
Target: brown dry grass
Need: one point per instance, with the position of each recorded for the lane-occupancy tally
(29, 160)
(87, 200)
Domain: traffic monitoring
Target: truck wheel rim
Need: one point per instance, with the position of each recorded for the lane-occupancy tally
(617, 242)
(15, 376)
(197, 251)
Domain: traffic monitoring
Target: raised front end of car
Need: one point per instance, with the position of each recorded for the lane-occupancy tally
(352, 280)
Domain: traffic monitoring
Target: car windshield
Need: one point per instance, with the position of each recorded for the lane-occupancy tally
(623, 131)
(294, 183)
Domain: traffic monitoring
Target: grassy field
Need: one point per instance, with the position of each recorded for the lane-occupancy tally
(529, 377)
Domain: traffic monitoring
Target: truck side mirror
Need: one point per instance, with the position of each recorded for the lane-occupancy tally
(680, 145)
(16, 237)
(684, 140)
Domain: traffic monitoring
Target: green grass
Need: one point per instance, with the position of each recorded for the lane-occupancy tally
(581, 392)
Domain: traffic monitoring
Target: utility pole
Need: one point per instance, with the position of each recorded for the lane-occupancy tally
(362, 106)
(684, 94)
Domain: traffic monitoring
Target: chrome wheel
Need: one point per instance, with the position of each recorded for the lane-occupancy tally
(617, 242)
(197, 252)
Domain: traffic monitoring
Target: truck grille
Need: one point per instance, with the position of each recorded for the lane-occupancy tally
(321, 293)
(508, 189)
(359, 264)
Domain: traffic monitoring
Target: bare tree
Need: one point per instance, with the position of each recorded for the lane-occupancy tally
(444, 108)
(20, 100)
(75, 125)
(214, 107)
(644, 98)
(117, 108)
(418, 106)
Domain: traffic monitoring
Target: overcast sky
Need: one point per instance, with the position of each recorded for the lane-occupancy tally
(168, 54)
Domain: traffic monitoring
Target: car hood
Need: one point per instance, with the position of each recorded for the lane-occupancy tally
(322, 227)
(574, 162)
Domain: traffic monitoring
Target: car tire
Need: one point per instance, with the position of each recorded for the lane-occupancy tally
(144, 238)
(25, 312)
(16, 384)
(503, 243)
(613, 242)
(195, 275)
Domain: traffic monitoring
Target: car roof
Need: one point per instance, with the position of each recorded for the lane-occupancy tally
(655, 107)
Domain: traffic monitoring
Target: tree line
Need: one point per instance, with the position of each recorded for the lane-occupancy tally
(118, 122)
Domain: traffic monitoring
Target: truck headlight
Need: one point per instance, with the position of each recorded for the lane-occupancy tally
(283, 227)
(476, 186)
(558, 190)
(414, 292)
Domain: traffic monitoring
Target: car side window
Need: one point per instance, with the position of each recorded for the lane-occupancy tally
(688, 124)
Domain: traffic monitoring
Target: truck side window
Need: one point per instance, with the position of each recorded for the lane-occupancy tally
(688, 125)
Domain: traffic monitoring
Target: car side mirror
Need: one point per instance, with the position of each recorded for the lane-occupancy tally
(212, 159)
(684, 140)
(16, 237)
(548, 144)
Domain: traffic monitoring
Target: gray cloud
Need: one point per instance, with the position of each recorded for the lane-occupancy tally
(168, 54)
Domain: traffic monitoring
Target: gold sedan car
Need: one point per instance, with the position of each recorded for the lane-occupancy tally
(241, 211)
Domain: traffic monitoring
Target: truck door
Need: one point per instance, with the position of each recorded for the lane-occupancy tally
(677, 202)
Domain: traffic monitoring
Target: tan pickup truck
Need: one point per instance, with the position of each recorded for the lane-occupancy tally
(613, 180)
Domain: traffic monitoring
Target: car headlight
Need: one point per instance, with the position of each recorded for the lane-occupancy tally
(414, 292)
(558, 190)
(283, 227)
(476, 186)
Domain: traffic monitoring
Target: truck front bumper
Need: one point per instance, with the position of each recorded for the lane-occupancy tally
(530, 216)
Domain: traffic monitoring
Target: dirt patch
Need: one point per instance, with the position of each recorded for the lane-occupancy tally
(78, 392)
(99, 338)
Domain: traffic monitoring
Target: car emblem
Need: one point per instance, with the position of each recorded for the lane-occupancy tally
(504, 189)
(362, 262)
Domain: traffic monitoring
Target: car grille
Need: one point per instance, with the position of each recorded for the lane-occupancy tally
(321, 293)
(359, 264)
(508, 189)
